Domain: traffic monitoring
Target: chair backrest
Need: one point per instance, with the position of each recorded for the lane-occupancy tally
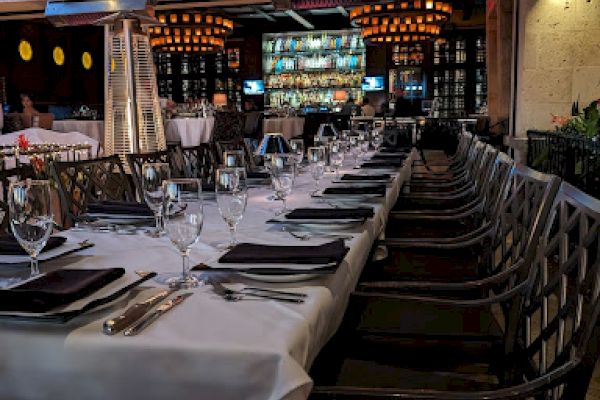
(6, 177)
(495, 184)
(229, 125)
(559, 323)
(136, 160)
(523, 210)
(199, 162)
(84, 182)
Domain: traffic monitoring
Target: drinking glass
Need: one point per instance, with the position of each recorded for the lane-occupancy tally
(376, 140)
(354, 144)
(336, 156)
(232, 196)
(183, 222)
(283, 173)
(153, 175)
(234, 158)
(297, 146)
(30, 216)
(316, 158)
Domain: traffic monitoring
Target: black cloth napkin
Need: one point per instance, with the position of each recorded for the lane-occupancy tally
(328, 213)
(394, 150)
(120, 208)
(10, 247)
(354, 177)
(248, 253)
(378, 190)
(258, 175)
(383, 164)
(57, 288)
(389, 157)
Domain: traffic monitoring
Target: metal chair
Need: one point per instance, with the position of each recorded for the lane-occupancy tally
(199, 162)
(83, 182)
(135, 162)
(6, 177)
(550, 340)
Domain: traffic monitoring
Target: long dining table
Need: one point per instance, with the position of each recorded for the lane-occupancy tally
(206, 348)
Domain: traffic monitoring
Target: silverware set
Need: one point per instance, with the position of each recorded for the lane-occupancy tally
(258, 293)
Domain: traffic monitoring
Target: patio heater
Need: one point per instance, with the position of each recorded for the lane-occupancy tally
(132, 115)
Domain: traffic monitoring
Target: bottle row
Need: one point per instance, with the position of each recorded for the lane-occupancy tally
(314, 80)
(314, 42)
(281, 64)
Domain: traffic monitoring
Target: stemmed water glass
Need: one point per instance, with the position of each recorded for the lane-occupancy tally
(283, 173)
(376, 140)
(30, 216)
(183, 222)
(354, 143)
(316, 158)
(336, 156)
(153, 175)
(297, 146)
(232, 196)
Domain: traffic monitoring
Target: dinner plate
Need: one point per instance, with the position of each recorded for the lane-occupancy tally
(319, 224)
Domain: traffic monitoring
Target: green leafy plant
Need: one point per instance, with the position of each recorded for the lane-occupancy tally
(586, 123)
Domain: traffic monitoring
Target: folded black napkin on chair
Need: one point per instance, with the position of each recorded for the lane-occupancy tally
(57, 288)
(354, 177)
(10, 247)
(120, 207)
(249, 253)
(258, 175)
(378, 190)
(329, 213)
(383, 164)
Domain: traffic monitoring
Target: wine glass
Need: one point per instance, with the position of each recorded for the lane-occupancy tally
(234, 158)
(232, 196)
(283, 173)
(153, 175)
(183, 222)
(316, 158)
(297, 146)
(376, 140)
(30, 216)
(355, 149)
(336, 156)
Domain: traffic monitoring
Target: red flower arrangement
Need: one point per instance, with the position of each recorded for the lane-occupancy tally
(22, 142)
(38, 165)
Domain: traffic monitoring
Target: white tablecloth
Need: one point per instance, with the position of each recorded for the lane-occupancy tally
(189, 131)
(39, 136)
(93, 129)
(206, 348)
(289, 127)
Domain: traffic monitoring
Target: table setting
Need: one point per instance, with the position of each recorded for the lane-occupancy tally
(245, 285)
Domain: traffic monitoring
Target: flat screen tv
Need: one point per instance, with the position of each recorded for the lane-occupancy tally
(254, 87)
(373, 83)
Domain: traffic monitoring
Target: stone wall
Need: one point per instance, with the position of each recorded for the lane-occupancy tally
(558, 61)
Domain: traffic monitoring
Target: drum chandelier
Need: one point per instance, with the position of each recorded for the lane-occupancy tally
(401, 21)
(190, 32)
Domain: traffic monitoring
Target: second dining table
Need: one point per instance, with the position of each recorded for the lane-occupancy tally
(207, 348)
(290, 127)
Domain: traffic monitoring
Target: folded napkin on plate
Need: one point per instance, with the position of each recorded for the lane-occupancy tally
(57, 288)
(120, 208)
(258, 175)
(383, 164)
(354, 177)
(378, 190)
(10, 247)
(249, 253)
(328, 213)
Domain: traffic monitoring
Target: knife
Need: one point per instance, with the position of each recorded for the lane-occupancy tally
(133, 313)
(153, 316)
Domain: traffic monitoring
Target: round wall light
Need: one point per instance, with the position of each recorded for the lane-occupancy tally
(58, 55)
(25, 50)
(86, 60)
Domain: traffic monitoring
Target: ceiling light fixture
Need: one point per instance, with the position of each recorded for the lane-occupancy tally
(190, 32)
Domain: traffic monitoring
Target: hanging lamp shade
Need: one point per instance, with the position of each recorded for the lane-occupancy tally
(190, 32)
(401, 21)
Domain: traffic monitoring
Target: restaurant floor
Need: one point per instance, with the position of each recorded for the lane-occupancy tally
(594, 389)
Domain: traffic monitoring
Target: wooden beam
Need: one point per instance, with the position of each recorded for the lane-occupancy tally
(299, 19)
(263, 14)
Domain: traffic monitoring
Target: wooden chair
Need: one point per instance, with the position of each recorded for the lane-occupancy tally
(550, 340)
(83, 182)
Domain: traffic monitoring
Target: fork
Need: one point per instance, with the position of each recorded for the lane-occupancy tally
(307, 236)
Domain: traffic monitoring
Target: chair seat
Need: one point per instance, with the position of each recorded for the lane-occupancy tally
(426, 264)
(428, 228)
